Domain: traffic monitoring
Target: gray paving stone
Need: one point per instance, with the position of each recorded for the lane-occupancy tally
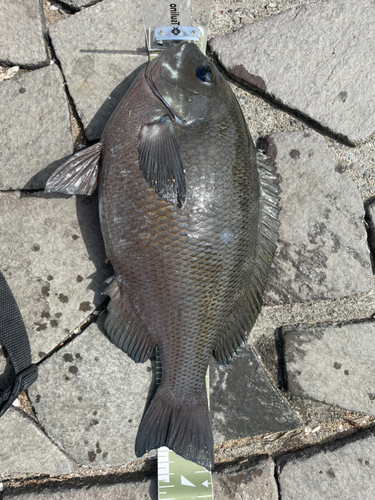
(316, 59)
(90, 397)
(248, 408)
(35, 135)
(124, 491)
(248, 481)
(22, 34)
(322, 250)
(333, 364)
(100, 50)
(344, 470)
(26, 450)
(52, 256)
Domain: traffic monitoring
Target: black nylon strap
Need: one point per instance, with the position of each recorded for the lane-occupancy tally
(13, 337)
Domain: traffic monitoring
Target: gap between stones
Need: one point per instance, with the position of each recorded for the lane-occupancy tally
(277, 482)
(81, 139)
(80, 479)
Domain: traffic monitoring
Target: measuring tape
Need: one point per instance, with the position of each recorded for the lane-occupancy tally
(178, 478)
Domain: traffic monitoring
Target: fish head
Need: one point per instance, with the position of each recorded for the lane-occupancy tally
(187, 82)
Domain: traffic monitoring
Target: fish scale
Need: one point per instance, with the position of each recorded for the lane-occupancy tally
(188, 213)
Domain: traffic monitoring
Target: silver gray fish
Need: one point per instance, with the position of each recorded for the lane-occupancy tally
(189, 217)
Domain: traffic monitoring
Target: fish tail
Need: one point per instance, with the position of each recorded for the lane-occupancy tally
(184, 427)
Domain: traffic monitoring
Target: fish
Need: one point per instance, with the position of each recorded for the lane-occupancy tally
(189, 216)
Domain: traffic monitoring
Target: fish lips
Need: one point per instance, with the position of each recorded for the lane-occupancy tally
(172, 76)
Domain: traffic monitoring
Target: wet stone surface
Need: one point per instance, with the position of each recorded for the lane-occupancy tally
(333, 364)
(52, 256)
(344, 470)
(331, 84)
(101, 50)
(243, 401)
(22, 34)
(322, 250)
(26, 450)
(90, 397)
(35, 135)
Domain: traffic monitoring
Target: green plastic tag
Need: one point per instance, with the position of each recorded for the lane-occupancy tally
(180, 479)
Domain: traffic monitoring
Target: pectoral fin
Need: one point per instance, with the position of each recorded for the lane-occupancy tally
(160, 160)
(78, 175)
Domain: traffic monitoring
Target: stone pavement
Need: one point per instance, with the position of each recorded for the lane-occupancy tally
(294, 415)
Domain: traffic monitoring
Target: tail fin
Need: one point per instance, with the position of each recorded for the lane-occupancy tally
(184, 427)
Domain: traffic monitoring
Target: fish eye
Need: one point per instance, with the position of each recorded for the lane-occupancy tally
(205, 73)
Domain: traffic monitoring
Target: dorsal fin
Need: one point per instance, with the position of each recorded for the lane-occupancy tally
(230, 344)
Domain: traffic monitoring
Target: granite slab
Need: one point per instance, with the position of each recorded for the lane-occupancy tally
(101, 50)
(26, 450)
(344, 469)
(315, 59)
(333, 364)
(52, 256)
(322, 249)
(35, 133)
(22, 30)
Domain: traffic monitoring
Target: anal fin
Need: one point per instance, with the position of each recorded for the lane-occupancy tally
(123, 330)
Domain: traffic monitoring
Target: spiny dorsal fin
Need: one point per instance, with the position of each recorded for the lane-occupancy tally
(160, 160)
(123, 330)
(230, 344)
(78, 175)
